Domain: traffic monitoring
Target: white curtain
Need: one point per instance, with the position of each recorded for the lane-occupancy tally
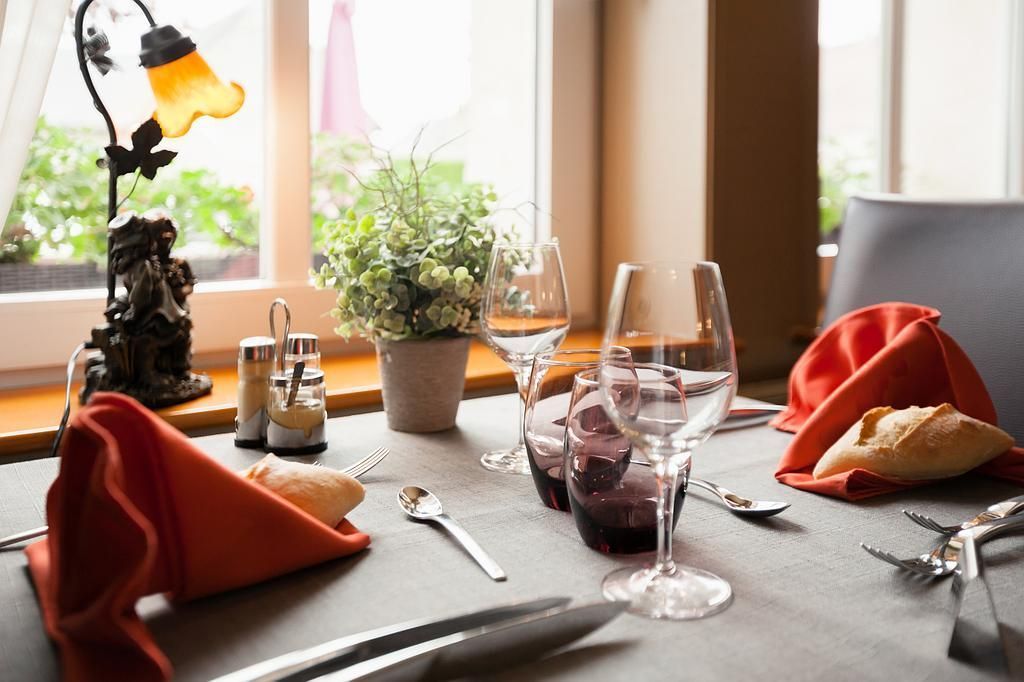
(29, 33)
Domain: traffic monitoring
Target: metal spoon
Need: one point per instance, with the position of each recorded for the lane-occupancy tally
(422, 505)
(741, 505)
(736, 504)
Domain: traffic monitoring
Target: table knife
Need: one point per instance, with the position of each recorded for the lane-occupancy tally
(410, 648)
(487, 649)
(24, 535)
(977, 637)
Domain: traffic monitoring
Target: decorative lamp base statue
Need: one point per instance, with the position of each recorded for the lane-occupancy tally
(146, 344)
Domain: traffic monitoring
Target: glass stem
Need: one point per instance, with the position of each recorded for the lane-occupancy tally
(522, 385)
(667, 473)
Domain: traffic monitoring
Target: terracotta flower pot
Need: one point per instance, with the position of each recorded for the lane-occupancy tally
(422, 382)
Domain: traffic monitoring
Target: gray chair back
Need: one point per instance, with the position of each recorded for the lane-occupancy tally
(964, 258)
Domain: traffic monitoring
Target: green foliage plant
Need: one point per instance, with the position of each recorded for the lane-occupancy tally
(411, 264)
(61, 201)
(842, 172)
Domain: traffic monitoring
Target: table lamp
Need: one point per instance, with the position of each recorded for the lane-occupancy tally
(144, 349)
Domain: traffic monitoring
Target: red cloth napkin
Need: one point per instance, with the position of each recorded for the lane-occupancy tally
(887, 354)
(137, 509)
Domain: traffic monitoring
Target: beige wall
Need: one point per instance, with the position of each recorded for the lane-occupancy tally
(653, 132)
(762, 174)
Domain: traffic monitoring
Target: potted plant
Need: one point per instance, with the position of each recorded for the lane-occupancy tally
(408, 269)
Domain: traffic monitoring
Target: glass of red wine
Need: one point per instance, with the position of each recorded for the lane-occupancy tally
(674, 319)
(524, 312)
(612, 494)
(547, 404)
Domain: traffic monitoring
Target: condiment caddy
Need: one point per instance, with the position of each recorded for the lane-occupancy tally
(282, 403)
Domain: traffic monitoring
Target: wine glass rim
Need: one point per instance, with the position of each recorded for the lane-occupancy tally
(548, 357)
(584, 376)
(526, 245)
(666, 264)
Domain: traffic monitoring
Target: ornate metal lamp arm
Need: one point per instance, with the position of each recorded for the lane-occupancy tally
(83, 65)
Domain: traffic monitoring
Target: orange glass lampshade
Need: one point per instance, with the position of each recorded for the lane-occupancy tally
(183, 84)
(186, 89)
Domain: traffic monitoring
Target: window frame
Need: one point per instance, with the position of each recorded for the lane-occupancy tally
(890, 161)
(41, 328)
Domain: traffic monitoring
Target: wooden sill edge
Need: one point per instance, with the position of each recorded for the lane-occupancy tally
(28, 416)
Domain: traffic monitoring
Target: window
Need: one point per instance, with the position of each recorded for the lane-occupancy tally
(55, 234)
(849, 103)
(919, 96)
(519, 84)
(455, 79)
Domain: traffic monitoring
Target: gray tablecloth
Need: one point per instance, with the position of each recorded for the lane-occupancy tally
(809, 603)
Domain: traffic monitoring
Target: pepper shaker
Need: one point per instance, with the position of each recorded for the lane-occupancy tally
(302, 347)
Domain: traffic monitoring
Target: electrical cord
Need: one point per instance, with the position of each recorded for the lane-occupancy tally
(67, 395)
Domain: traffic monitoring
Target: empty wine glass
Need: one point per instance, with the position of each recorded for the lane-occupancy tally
(525, 311)
(675, 320)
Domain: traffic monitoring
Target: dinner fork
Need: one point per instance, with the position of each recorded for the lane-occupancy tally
(355, 471)
(365, 464)
(999, 510)
(944, 557)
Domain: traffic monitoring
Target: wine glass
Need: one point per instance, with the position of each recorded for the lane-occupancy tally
(675, 320)
(525, 311)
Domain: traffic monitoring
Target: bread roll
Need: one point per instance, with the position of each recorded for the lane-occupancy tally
(917, 443)
(323, 493)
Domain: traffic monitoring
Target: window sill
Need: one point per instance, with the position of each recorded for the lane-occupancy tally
(28, 415)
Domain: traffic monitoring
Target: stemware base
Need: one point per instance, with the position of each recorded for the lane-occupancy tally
(508, 461)
(686, 594)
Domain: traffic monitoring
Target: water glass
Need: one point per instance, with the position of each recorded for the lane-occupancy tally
(612, 494)
(547, 405)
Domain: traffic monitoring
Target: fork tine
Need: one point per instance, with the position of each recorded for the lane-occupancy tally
(883, 555)
(374, 459)
(926, 522)
(367, 463)
(915, 566)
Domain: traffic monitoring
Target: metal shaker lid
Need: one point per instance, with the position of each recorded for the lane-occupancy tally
(310, 377)
(256, 348)
(302, 344)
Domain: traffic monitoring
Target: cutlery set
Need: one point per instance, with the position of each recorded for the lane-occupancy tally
(976, 635)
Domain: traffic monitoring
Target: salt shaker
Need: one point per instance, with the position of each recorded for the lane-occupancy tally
(255, 365)
(297, 414)
(302, 347)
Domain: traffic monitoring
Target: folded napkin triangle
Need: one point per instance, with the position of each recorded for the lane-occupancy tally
(888, 354)
(137, 509)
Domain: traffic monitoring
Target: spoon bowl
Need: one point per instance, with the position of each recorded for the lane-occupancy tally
(419, 503)
(741, 505)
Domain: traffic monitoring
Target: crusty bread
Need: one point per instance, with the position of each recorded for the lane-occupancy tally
(917, 443)
(323, 493)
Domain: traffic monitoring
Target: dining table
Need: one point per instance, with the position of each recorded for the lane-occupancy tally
(809, 603)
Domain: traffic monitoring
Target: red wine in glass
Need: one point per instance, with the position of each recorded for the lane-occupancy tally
(614, 500)
(545, 449)
(546, 465)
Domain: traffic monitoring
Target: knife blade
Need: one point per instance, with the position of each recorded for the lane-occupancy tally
(742, 417)
(362, 646)
(492, 647)
(977, 637)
